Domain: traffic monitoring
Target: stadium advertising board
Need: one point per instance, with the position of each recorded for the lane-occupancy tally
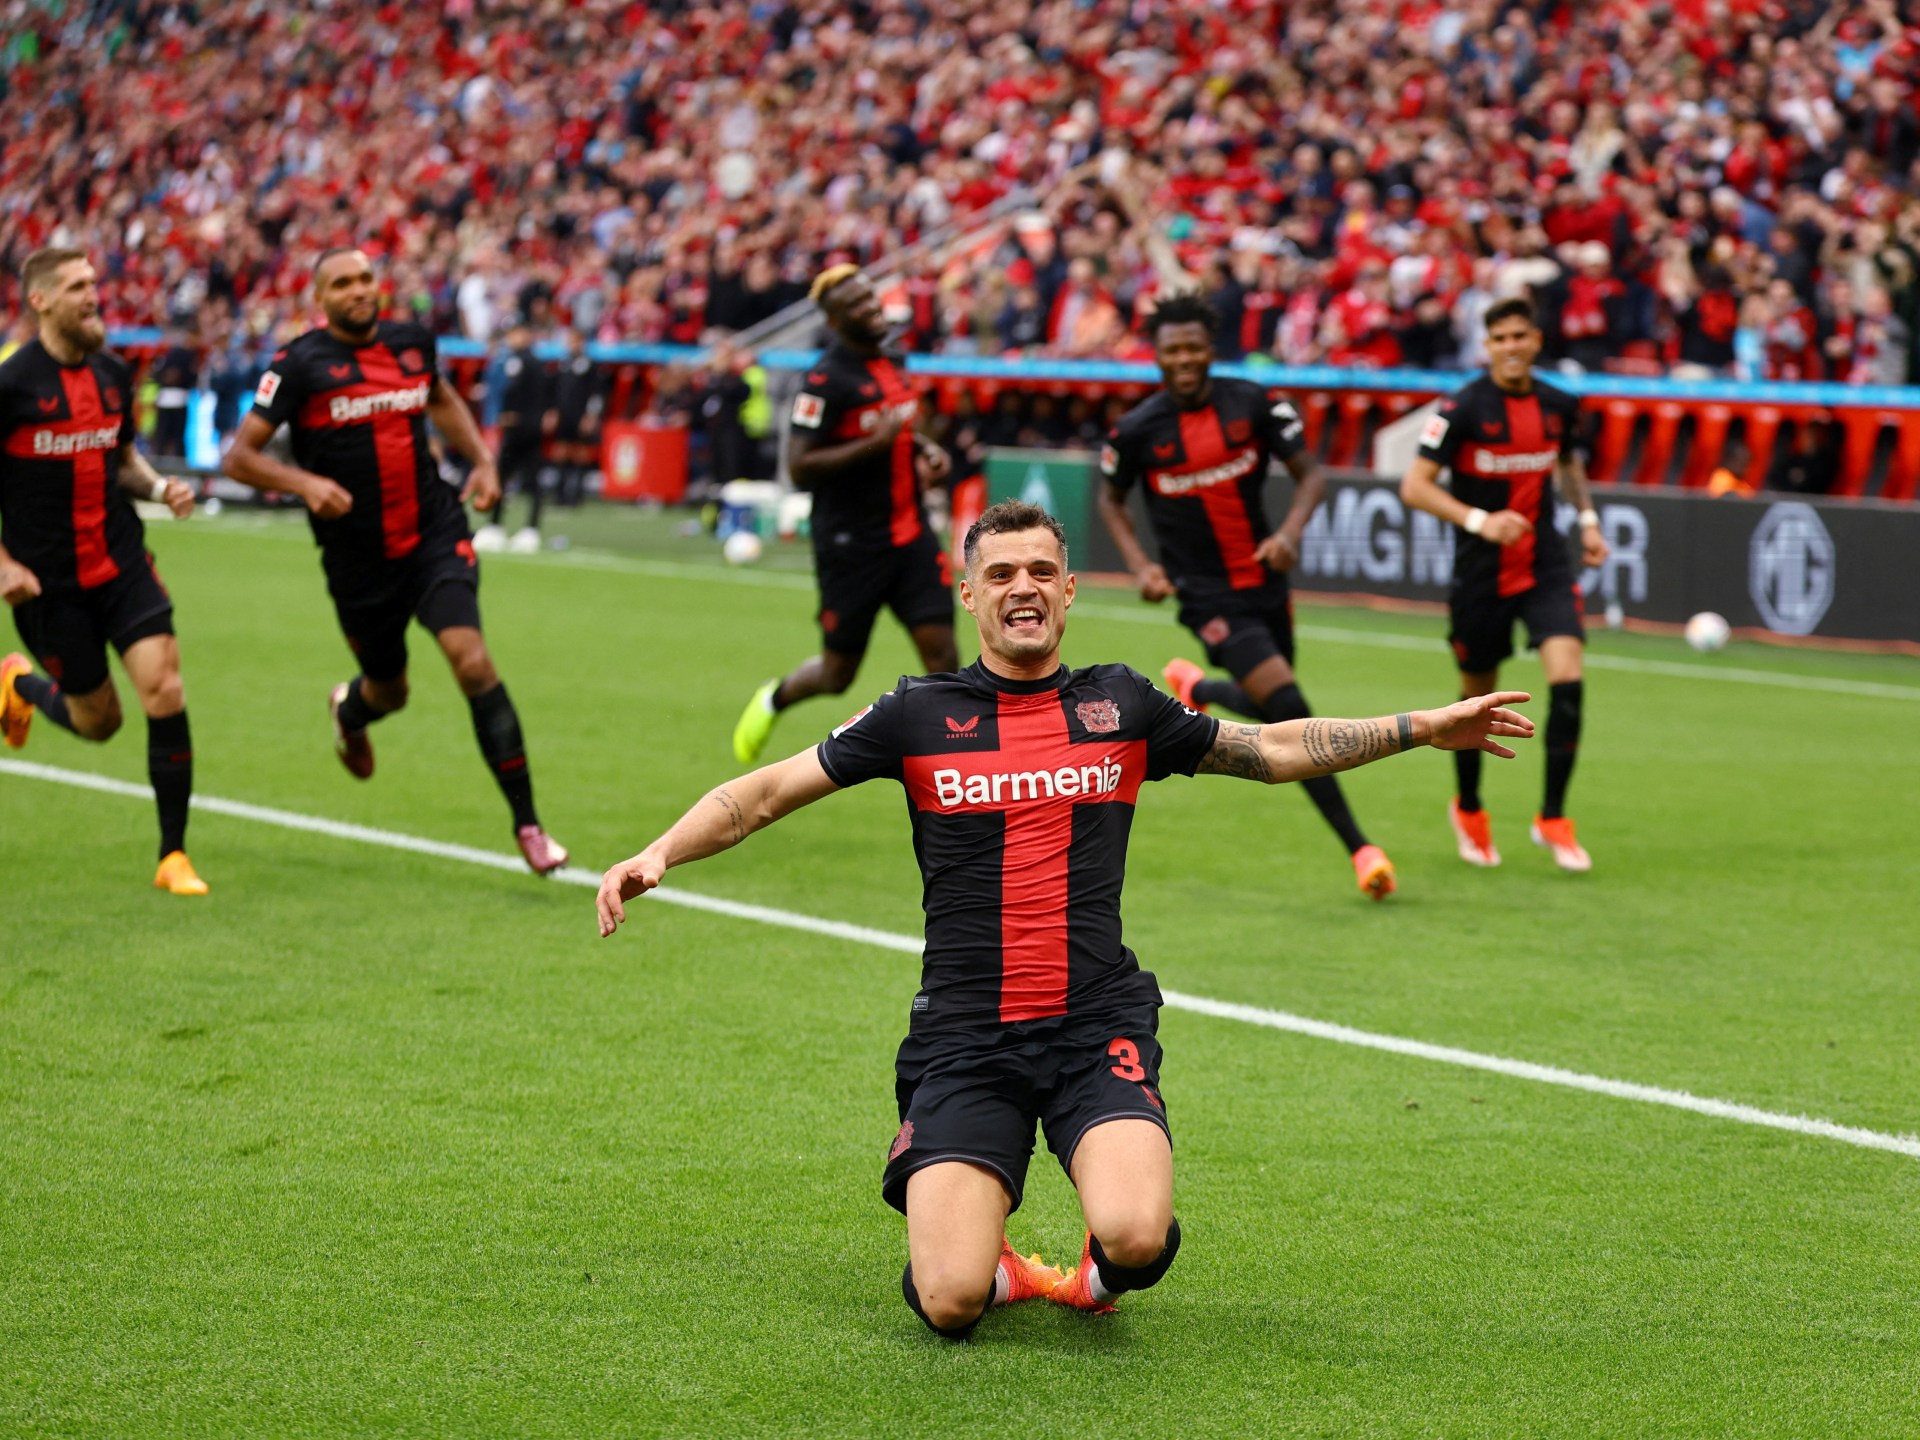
(1842, 570)
(1838, 569)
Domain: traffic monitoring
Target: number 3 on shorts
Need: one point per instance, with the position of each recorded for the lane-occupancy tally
(1128, 1054)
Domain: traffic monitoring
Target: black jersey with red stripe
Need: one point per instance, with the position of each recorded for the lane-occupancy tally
(875, 502)
(1021, 795)
(358, 415)
(1502, 449)
(63, 514)
(1203, 471)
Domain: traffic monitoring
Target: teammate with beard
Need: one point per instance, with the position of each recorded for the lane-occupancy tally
(73, 559)
(357, 395)
(1200, 449)
(1021, 778)
(852, 443)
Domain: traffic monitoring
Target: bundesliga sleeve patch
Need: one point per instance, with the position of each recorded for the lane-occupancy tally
(852, 721)
(1289, 418)
(809, 411)
(1109, 460)
(1435, 430)
(269, 387)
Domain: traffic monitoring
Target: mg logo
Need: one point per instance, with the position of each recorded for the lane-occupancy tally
(1790, 571)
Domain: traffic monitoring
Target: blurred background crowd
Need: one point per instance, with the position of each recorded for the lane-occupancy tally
(1698, 187)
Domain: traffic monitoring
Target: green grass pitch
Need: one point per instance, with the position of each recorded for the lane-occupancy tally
(377, 1142)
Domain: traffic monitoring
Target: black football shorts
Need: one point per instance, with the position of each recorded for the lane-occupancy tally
(914, 580)
(1241, 628)
(438, 585)
(976, 1095)
(68, 631)
(1482, 625)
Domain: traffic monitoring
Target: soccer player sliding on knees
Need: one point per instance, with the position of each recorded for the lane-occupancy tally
(1021, 778)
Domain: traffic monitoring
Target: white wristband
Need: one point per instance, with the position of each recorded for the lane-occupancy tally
(1475, 522)
(158, 490)
(1588, 517)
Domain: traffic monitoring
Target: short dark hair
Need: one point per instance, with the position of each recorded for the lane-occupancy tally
(328, 254)
(1007, 518)
(42, 265)
(1184, 307)
(1514, 307)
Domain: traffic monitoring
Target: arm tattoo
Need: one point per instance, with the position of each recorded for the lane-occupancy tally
(736, 819)
(1236, 751)
(1338, 744)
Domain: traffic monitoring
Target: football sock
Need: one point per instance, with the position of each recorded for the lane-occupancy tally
(170, 768)
(355, 712)
(1287, 703)
(1109, 1279)
(46, 697)
(1466, 773)
(1563, 741)
(913, 1303)
(777, 699)
(497, 725)
(1227, 695)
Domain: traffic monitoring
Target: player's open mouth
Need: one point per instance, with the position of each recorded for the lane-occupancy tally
(1027, 617)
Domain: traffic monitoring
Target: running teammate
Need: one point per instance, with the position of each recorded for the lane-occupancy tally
(73, 558)
(1200, 448)
(1021, 778)
(1506, 437)
(393, 537)
(853, 444)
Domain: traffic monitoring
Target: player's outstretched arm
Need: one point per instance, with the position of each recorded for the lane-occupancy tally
(724, 817)
(1303, 749)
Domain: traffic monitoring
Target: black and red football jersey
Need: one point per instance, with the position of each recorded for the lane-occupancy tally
(1502, 449)
(358, 415)
(1203, 471)
(1021, 795)
(63, 514)
(877, 502)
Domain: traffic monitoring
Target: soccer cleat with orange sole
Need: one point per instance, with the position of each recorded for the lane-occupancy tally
(176, 877)
(1374, 872)
(542, 852)
(1474, 831)
(352, 746)
(16, 711)
(1028, 1276)
(1557, 836)
(1075, 1289)
(1181, 676)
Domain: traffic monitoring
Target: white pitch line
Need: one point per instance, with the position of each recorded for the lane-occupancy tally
(911, 945)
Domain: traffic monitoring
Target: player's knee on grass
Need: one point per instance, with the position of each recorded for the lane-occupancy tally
(949, 1301)
(1134, 1259)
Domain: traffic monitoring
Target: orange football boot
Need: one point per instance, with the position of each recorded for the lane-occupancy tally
(16, 711)
(1557, 836)
(1028, 1276)
(1076, 1286)
(1181, 676)
(1374, 872)
(176, 877)
(1474, 831)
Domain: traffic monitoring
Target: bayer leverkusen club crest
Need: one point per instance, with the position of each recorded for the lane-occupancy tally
(1100, 717)
(412, 361)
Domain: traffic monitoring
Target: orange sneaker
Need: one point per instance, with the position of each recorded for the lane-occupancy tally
(1475, 833)
(176, 877)
(1075, 1289)
(1028, 1277)
(16, 712)
(1557, 836)
(1181, 676)
(1374, 872)
(352, 746)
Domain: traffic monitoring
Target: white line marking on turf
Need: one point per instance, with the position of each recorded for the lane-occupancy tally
(911, 945)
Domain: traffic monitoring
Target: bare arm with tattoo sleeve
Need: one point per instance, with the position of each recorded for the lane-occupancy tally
(724, 817)
(1303, 749)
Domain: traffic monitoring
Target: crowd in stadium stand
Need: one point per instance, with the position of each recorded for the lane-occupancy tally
(1705, 187)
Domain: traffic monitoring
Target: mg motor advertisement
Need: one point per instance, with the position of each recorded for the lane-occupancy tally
(1839, 569)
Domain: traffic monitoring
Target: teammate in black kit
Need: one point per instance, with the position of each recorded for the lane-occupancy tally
(525, 423)
(73, 557)
(393, 537)
(1201, 448)
(852, 443)
(1021, 778)
(1507, 437)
